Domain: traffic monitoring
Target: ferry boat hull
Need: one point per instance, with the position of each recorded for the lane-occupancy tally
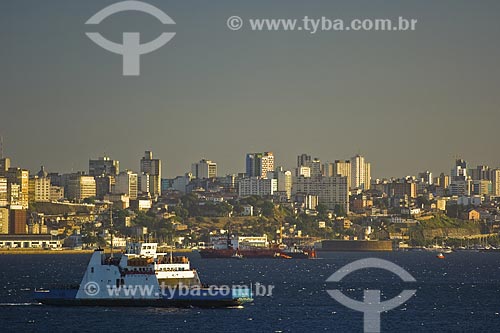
(62, 297)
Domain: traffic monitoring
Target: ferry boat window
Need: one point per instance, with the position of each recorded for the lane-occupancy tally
(91, 269)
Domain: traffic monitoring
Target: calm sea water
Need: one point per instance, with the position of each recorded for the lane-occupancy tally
(458, 294)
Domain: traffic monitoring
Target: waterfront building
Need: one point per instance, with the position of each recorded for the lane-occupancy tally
(4, 220)
(4, 192)
(17, 220)
(20, 177)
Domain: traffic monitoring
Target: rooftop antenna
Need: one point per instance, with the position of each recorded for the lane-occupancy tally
(1, 146)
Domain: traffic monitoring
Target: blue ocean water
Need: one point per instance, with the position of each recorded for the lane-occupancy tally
(458, 294)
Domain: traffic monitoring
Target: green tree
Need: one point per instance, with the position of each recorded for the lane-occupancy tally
(339, 210)
(268, 209)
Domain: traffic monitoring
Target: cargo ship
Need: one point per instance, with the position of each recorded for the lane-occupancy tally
(253, 247)
(353, 245)
(143, 277)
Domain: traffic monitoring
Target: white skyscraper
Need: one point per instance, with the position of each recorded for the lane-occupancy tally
(284, 178)
(343, 168)
(495, 180)
(360, 173)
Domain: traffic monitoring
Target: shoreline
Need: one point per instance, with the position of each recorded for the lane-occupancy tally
(67, 251)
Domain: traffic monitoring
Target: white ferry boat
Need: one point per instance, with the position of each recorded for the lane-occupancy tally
(143, 277)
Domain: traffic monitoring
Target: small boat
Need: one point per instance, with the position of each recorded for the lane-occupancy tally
(440, 255)
(237, 256)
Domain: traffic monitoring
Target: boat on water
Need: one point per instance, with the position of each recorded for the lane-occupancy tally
(253, 247)
(440, 255)
(237, 256)
(143, 277)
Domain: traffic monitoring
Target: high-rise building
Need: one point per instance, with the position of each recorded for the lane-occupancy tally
(303, 171)
(14, 195)
(360, 173)
(104, 166)
(460, 169)
(17, 220)
(343, 168)
(460, 186)
(144, 183)
(481, 172)
(328, 168)
(443, 180)
(460, 183)
(285, 182)
(284, 178)
(368, 176)
(315, 166)
(257, 186)
(4, 192)
(426, 177)
(4, 166)
(403, 187)
(259, 164)
(331, 191)
(56, 193)
(126, 183)
(104, 185)
(303, 159)
(20, 177)
(495, 180)
(481, 187)
(39, 189)
(152, 167)
(204, 169)
(80, 186)
(4, 220)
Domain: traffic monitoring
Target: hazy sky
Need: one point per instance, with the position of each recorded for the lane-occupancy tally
(408, 101)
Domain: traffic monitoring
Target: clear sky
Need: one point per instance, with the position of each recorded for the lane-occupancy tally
(408, 101)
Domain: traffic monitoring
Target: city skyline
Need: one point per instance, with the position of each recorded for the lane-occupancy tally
(401, 99)
(189, 165)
